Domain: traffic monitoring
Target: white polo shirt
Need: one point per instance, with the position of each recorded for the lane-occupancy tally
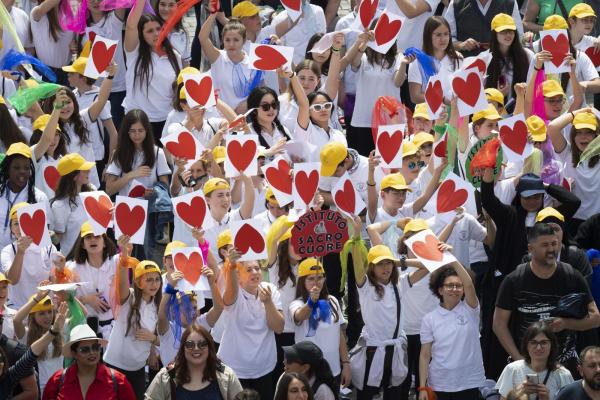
(159, 169)
(224, 78)
(67, 219)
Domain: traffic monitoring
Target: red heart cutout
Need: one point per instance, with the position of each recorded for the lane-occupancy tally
(434, 95)
(306, 184)
(99, 209)
(428, 249)
(51, 176)
(199, 91)
(249, 238)
(193, 213)
(366, 12)
(440, 148)
(593, 55)
(269, 58)
(184, 147)
(559, 48)
(449, 198)
(102, 55)
(480, 65)
(130, 220)
(468, 90)
(241, 155)
(137, 191)
(33, 225)
(515, 138)
(190, 267)
(345, 198)
(237, 122)
(292, 4)
(386, 30)
(389, 145)
(279, 177)
(566, 184)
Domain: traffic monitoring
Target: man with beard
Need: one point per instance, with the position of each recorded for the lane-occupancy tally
(587, 388)
(532, 291)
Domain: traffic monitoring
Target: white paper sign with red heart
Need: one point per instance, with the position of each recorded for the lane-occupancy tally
(346, 197)
(439, 150)
(468, 87)
(136, 189)
(239, 122)
(98, 208)
(199, 90)
(51, 175)
(130, 218)
(278, 174)
(434, 96)
(241, 152)
(389, 145)
(305, 184)
(594, 56)
(514, 138)
(101, 56)
(189, 262)
(556, 41)
(386, 31)
(33, 222)
(192, 209)
(248, 239)
(367, 10)
(181, 143)
(479, 63)
(425, 247)
(293, 8)
(268, 57)
(452, 193)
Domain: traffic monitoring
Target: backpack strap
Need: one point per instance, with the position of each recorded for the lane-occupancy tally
(397, 295)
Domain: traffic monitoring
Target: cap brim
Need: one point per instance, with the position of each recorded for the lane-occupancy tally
(384, 258)
(505, 27)
(290, 354)
(398, 187)
(539, 137)
(87, 166)
(583, 15)
(529, 193)
(67, 353)
(219, 160)
(328, 170)
(21, 153)
(85, 233)
(553, 94)
(422, 115)
(583, 125)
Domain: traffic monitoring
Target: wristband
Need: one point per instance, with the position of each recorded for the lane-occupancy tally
(110, 77)
(538, 69)
(370, 184)
(204, 248)
(170, 289)
(334, 49)
(53, 333)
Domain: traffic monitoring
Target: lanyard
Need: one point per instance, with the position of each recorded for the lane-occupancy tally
(10, 204)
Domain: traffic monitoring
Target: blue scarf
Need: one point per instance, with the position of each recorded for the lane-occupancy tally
(242, 86)
(13, 58)
(427, 63)
(321, 311)
(174, 311)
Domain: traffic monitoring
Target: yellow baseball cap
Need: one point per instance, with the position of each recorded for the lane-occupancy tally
(502, 22)
(73, 162)
(43, 305)
(555, 22)
(175, 244)
(224, 239)
(182, 95)
(332, 154)
(380, 253)
(186, 70)
(310, 266)
(421, 112)
(492, 94)
(3, 278)
(415, 225)
(488, 113)
(78, 65)
(552, 88)
(394, 181)
(276, 228)
(41, 122)
(270, 196)
(409, 148)
(244, 9)
(585, 120)
(537, 128)
(421, 138)
(19, 148)
(13, 210)
(582, 10)
(86, 229)
(145, 267)
(213, 184)
(219, 154)
(549, 212)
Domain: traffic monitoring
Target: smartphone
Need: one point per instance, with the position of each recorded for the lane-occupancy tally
(532, 379)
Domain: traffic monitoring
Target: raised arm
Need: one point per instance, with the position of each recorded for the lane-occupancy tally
(43, 8)
(23, 312)
(335, 66)
(98, 104)
(215, 311)
(131, 40)
(50, 130)
(231, 278)
(469, 287)
(122, 268)
(432, 186)
(359, 264)
(42, 343)
(401, 74)
(248, 202)
(376, 230)
(354, 55)
(372, 196)
(556, 126)
(212, 53)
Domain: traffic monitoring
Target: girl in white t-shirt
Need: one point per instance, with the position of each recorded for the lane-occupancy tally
(178, 36)
(10, 130)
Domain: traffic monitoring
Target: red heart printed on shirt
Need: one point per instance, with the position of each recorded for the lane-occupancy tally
(190, 266)
(559, 48)
(279, 177)
(448, 198)
(130, 220)
(269, 58)
(366, 12)
(428, 249)
(192, 214)
(345, 199)
(51, 176)
(33, 225)
(434, 95)
(386, 30)
(102, 55)
(248, 238)
(306, 184)
(593, 55)
(468, 90)
(199, 91)
(99, 209)
(480, 65)
(241, 155)
(440, 148)
(515, 138)
(292, 4)
(184, 147)
(389, 145)
(137, 191)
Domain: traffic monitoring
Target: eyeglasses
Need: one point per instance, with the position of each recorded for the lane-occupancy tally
(95, 348)
(554, 102)
(413, 165)
(322, 106)
(541, 343)
(453, 286)
(267, 106)
(192, 344)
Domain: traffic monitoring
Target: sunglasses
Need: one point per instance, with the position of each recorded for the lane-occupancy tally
(192, 344)
(88, 349)
(323, 106)
(267, 106)
(413, 165)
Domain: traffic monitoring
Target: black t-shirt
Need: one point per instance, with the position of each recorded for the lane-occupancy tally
(211, 392)
(573, 391)
(531, 299)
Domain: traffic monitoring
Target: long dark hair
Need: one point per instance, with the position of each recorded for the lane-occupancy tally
(61, 148)
(75, 119)
(10, 130)
(178, 26)
(125, 151)
(379, 289)
(253, 101)
(134, 317)
(322, 373)
(431, 25)
(53, 24)
(67, 188)
(386, 60)
(531, 332)
(213, 364)
(281, 392)
(516, 59)
(309, 55)
(4, 173)
(576, 153)
(79, 253)
(302, 293)
(285, 267)
(143, 64)
(35, 331)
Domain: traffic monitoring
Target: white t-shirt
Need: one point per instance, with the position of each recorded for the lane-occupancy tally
(48, 366)
(379, 314)
(445, 66)
(288, 112)
(8, 327)
(86, 150)
(96, 129)
(40, 165)
(111, 27)
(287, 293)
(54, 54)
(173, 117)
(417, 300)
(248, 344)
(350, 37)
(68, 218)
(515, 373)
(412, 29)
(159, 169)
(20, 20)
(224, 77)
(8, 199)
(317, 136)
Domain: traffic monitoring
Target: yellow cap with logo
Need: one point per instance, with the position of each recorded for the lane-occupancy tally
(310, 266)
(219, 154)
(552, 88)
(86, 229)
(494, 95)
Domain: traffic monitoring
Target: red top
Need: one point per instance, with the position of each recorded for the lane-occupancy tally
(102, 388)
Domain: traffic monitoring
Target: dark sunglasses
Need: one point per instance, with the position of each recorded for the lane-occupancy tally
(267, 106)
(88, 349)
(413, 165)
(192, 344)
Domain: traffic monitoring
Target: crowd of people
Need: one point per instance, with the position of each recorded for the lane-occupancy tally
(513, 313)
